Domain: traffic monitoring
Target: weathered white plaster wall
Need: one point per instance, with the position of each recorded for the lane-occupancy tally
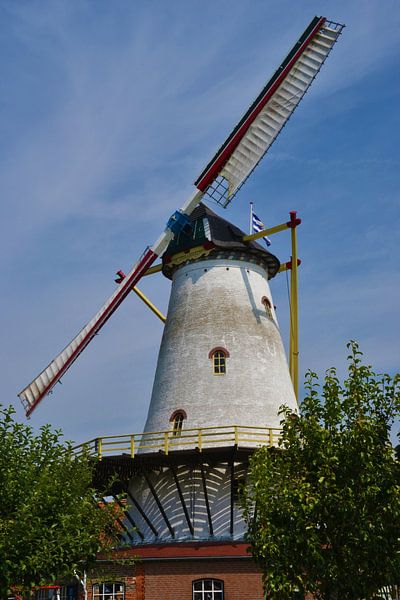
(219, 303)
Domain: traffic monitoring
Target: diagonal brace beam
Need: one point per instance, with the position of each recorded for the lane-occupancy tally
(149, 303)
(203, 478)
(119, 521)
(121, 276)
(143, 514)
(181, 498)
(160, 506)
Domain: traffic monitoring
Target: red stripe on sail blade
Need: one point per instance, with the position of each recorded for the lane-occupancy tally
(220, 161)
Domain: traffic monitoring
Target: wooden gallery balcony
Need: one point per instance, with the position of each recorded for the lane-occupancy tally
(157, 471)
(136, 444)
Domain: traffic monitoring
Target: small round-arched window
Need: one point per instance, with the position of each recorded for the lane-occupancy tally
(268, 307)
(218, 356)
(177, 419)
(219, 363)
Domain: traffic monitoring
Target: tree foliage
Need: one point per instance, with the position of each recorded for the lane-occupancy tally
(323, 509)
(51, 519)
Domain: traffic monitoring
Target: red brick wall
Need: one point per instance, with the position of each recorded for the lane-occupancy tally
(140, 583)
(173, 580)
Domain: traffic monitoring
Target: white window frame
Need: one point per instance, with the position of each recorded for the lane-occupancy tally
(99, 593)
(212, 594)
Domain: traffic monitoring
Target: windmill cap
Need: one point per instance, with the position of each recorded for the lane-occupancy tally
(210, 234)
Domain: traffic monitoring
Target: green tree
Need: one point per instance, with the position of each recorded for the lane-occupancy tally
(323, 508)
(52, 521)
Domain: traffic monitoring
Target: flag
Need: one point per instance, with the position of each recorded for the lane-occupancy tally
(258, 225)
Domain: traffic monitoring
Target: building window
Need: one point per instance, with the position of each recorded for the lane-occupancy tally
(177, 426)
(219, 363)
(208, 589)
(218, 357)
(108, 591)
(177, 419)
(268, 307)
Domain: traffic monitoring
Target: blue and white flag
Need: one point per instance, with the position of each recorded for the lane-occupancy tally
(258, 225)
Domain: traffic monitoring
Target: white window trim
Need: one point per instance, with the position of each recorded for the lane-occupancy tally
(216, 594)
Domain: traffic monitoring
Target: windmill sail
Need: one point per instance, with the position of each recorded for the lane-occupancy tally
(33, 393)
(46, 380)
(221, 179)
(261, 124)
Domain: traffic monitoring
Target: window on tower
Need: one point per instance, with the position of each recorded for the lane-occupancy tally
(218, 357)
(219, 363)
(208, 589)
(268, 307)
(177, 419)
(178, 424)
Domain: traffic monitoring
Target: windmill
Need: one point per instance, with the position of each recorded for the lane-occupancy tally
(220, 181)
(221, 359)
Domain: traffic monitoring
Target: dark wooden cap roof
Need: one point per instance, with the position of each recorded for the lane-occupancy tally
(212, 231)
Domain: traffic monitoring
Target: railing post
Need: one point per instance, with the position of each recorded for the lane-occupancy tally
(271, 439)
(200, 439)
(236, 435)
(166, 442)
(99, 448)
(132, 446)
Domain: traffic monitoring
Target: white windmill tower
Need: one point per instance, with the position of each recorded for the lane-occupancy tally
(221, 354)
(221, 373)
(221, 377)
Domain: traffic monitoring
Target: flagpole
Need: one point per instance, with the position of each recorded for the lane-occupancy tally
(251, 219)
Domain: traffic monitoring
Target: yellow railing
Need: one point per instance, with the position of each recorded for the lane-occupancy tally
(206, 437)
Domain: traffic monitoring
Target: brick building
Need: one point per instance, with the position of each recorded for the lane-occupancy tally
(189, 571)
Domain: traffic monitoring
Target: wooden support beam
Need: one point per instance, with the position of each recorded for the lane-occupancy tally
(265, 232)
(287, 266)
(203, 478)
(181, 498)
(122, 524)
(142, 513)
(149, 303)
(155, 269)
(294, 311)
(130, 519)
(160, 507)
(120, 278)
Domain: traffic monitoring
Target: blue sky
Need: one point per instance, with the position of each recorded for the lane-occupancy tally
(110, 110)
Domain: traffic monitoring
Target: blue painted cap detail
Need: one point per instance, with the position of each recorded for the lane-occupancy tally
(179, 222)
